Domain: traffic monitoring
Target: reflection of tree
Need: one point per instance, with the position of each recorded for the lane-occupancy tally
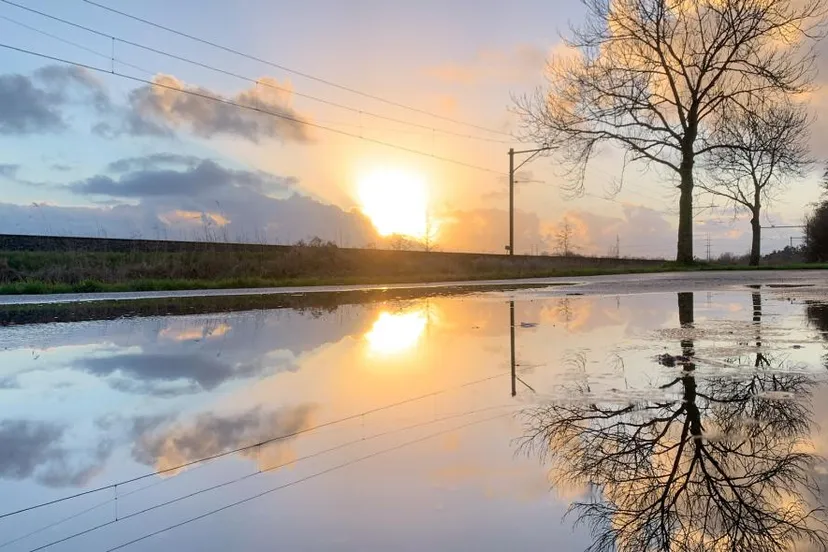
(719, 466)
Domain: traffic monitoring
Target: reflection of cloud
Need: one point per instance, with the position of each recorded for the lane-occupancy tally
(167, 374)
(33, 448)
(194, 333)
(211, 434)
(396, 333)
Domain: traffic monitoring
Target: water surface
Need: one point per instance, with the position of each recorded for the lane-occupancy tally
(446, 423)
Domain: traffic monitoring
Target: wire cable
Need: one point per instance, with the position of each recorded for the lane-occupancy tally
(302, 480)
(293, 71)
(255, 445)
(253, 474)
(225, 101)
(72, 43)
(213, 68)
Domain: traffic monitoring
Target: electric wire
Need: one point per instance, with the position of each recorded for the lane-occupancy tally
(254, 445)
(254, 474)
(257, 82)
(301, 480)
(256, 109)
(293, 71)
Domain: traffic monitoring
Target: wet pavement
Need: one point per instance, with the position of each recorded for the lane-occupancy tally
(614, 283)
(661, 411)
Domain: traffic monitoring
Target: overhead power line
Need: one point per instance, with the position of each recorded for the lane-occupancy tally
(302, 480)
(219, 70)
(294, 71)
(252, 108)
(245, 477)
(254, 445)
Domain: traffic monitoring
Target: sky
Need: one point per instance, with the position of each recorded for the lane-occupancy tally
(86, 152)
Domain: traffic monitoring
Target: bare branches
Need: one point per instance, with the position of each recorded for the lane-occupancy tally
(722, 469)
(654, 77)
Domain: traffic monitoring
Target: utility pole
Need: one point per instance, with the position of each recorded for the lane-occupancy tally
(512, 343)
(511, 201)
(708, 248)
(617, 246)
(512, 168)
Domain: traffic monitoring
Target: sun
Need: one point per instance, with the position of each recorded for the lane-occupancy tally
(396, 202)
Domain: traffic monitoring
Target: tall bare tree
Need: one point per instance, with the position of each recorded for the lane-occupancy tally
(652, 76)
(723, 464)
(564, 236)
(768, 145)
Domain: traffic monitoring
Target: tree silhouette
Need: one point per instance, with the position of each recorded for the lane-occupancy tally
(769, 145)
(652, 77)
(718, 464)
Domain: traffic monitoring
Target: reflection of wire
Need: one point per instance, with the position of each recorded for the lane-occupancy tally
(248, 476)
(77, 515)
(302, 480)
(255, 445)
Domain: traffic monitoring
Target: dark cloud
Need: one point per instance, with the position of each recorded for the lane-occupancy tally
(166, 374)
(152, 161)
(25, 108)
(210, 434)
(178, 204)
(25, 445)
(204, 178)
(156, 109)
(69, 83)
(9, 171)
(32, 104)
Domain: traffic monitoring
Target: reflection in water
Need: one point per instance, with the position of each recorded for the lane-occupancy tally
(722, 464)
(396, 333)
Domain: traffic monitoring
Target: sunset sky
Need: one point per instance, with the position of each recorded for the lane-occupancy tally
(87, 153)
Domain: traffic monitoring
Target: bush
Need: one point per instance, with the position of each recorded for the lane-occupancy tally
(816, 234)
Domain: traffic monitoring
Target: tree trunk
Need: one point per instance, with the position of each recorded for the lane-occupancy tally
(755, 245)
(684, 254)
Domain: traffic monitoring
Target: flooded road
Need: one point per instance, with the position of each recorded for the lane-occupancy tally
(680, 419)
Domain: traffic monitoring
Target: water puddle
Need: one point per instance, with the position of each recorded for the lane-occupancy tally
(667, 420)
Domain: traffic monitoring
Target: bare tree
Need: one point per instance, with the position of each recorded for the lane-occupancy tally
(722, 465)
(564, 237)
(429, 233)
(652, 76)
(768, 145)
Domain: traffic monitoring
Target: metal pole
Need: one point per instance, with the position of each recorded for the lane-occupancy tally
(512, 206)
(512, 343)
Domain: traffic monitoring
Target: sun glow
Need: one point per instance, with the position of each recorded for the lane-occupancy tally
(395, 201)
(396, 333)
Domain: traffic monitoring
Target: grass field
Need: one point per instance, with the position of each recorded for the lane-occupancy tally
(37, 272)
(42, 272)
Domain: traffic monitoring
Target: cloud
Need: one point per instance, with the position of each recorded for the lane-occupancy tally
(152, 161)
(34, 449)
(27, 109)
(210, 434)
(36, 103)
(160, 108)
(488, 230)
(26, 444)
(166, 374)
(9, 171)
(69, 83)
(205, 177)
(521, 63)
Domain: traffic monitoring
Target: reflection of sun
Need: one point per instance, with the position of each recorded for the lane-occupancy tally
(395, 201)
(396, 333)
